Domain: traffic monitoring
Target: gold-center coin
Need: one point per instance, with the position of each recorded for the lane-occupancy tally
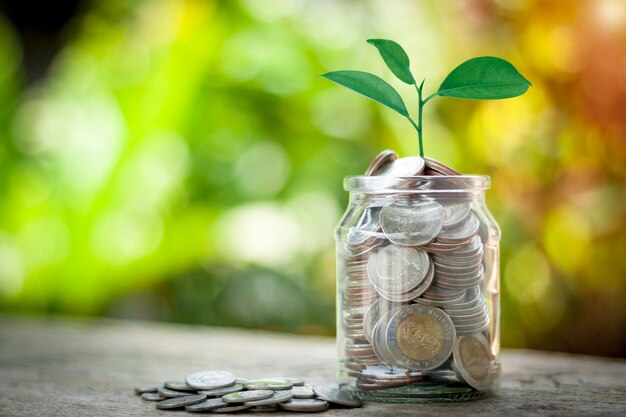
(420, 337)
(474, 357)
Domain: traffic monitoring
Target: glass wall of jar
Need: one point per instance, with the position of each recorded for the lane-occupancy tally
(418, 289)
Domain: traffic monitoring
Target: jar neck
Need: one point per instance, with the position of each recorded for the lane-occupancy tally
(381, 199)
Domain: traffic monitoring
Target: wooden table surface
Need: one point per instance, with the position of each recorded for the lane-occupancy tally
(80, 367)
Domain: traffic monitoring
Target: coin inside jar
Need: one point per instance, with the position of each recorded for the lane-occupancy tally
(455, 213)
(460, 232)
(397, 269)
(473, 360)
(381, 160)
(420, 337)
(412, 225)
(404, 167)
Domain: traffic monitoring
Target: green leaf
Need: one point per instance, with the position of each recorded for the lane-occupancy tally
(396, 59)
(371, 86)
(485, 77)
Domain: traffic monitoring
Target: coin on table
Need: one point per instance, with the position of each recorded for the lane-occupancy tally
(264, 409)
(141, 390)
(268, 384)
(333, 394)
(304, 391)
(305, 405)
(412, 225)
(208, 405)
(178, 386)
(170, 393)
(218, 392)
(152, 396)
(276, 398)
(420, 337)
(244, 396)
(296, 382)
(473, 360)
(231, 409)
(397, 269)
(211, 379)
(403, 167)
(180, 402)
(381, 160)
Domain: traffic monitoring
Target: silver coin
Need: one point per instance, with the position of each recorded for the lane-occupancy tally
(415, 292)
(180, 402)
(264, 409)
(142, 390)
(373, 315)
(473, 247)
(397, 268)
(380, 160)
(305, 391)
(208, 405)
(476, 326)
(439, 167)
(379, 339)
(437, 293)
(367, 224)
(245, 396)
(439, 247)
(470, 323)
(459, 283)
(218, 392)
(455, 213)
(276, 398)
(268, 384)
(413, 225)
(211, 379)
(178, 386)
(459, 275)
(473, 331)
(305, 405)
(437, 303)
(152, 396)
(460, 232)
(403, 167)
(170, 393)
(231, 409)
(470, 312)
(420, 337)
(469, 269)
(333, 394)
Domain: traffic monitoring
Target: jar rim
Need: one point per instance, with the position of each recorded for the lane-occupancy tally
(419, 183)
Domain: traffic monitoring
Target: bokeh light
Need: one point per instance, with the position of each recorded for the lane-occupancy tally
(182, 160)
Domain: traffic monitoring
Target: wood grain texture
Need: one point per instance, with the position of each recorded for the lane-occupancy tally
(71, 367)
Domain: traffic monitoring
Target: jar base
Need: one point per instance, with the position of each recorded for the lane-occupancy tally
(441, 393)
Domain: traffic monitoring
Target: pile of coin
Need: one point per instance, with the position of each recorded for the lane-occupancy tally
(223, 392)
(411, 272)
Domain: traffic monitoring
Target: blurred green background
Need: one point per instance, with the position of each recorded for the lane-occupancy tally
(183, 161)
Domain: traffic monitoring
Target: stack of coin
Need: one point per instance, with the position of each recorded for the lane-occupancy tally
(411, 289)
(223, 392)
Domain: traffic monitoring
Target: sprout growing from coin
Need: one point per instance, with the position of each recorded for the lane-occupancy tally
(481, 78)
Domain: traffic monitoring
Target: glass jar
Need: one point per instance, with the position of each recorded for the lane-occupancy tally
(418, 287)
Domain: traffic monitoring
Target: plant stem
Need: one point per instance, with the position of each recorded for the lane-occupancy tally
(419, 116)
(419, 134)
